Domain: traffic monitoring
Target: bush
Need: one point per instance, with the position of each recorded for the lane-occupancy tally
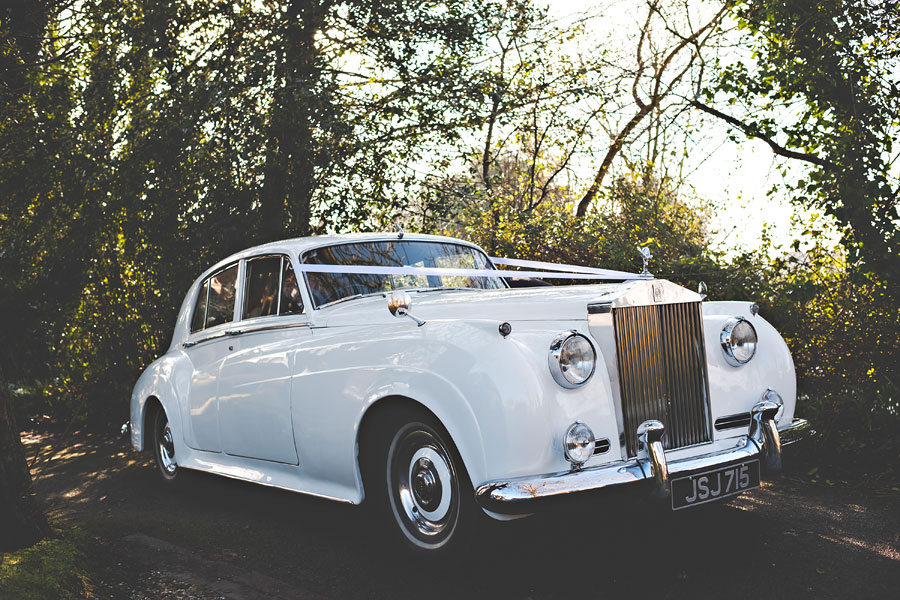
(53, 568)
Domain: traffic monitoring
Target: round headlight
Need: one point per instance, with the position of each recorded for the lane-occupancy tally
(738, 341)
(572, 359)
(579, 443)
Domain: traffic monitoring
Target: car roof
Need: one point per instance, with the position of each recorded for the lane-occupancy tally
(296, 246)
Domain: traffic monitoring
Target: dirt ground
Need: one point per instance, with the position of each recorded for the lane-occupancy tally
(213, 538)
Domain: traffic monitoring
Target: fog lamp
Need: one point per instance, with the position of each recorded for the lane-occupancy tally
(579, 444)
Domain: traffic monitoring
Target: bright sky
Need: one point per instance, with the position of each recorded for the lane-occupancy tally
(734, 176)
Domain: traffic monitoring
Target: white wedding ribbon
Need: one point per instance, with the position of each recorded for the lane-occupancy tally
(568, 272)
(535, 264)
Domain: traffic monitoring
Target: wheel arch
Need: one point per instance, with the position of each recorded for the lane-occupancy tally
(161, 384)
(150, 405)
(383, 407)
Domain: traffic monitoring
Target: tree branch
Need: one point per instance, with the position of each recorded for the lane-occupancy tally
(753, 133)
(656, 97)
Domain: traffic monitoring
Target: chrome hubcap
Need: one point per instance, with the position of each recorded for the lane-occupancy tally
(167, 450)
(426, 486)
(424, 489)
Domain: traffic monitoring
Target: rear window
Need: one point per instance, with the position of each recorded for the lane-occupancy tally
(215, 301)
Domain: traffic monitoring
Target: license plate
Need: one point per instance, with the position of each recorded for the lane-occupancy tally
(714, 484)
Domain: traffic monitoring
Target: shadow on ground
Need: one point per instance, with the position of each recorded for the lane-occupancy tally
(217, 538)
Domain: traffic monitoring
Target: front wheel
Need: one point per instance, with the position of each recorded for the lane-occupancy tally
(418, 477)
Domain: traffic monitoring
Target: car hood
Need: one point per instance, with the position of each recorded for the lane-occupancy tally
(546, 303)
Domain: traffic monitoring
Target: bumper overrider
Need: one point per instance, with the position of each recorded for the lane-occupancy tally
(650, 469)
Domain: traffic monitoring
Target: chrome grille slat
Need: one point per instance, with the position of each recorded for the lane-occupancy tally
(661, 362)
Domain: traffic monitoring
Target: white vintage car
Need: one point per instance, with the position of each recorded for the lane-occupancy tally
(406, 371)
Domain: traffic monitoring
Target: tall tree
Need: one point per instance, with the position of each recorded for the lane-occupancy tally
(22, 30)
(22, 522)
(663, 59)
(820, 87)
(151, 138)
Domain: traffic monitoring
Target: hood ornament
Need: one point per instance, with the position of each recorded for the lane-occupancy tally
(645, 254)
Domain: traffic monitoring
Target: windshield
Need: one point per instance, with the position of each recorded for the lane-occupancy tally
(327, 288)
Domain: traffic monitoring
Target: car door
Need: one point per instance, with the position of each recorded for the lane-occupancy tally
(254, 393)
(207, 347)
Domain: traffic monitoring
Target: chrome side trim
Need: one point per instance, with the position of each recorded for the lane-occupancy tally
(245, 330)
(208, 338)
(274, 327)
(733, 421)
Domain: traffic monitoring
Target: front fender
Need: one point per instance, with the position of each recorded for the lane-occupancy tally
(494, 395)
(735, 390)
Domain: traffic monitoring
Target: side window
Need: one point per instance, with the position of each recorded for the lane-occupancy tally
(220, 307)
(272, 288)
(291, 302)
(199, 317)
(261, 299)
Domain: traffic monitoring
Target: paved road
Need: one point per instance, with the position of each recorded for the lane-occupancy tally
(216, 538)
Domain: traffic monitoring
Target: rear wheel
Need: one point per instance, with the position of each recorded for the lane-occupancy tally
(164, 446)
(415, 475)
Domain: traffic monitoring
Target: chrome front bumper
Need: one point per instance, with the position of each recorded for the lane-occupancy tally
(764, 442)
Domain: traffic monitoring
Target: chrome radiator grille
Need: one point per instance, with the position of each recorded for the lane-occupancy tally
(662, 372)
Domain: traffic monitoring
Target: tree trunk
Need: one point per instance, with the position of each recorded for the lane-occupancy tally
(292, 155)
(22, 523)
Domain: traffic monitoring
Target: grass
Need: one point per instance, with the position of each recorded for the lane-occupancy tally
(54, 568)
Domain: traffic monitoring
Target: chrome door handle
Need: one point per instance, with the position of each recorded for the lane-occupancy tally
(234, 332)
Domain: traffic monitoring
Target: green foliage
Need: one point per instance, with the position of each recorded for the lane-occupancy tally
(823, 81)
(54, 568)
(638, 210)
(844, 336)
(142, 141)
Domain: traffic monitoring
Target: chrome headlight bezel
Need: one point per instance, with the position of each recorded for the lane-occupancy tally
(560, 369)
(728, 341)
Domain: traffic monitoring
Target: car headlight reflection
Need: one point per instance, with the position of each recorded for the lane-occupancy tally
(572, 359)
(739, 341)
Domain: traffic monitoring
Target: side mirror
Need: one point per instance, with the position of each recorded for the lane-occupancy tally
(399, 303)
